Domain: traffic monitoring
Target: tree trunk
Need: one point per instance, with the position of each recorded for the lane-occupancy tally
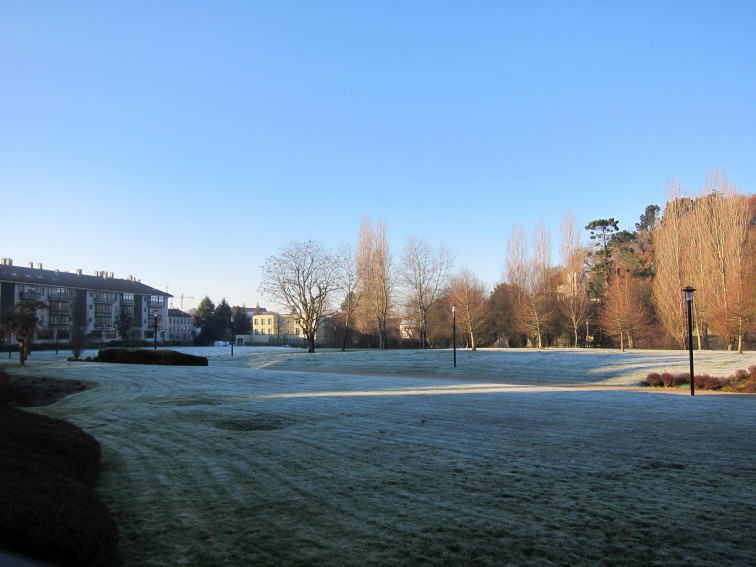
(346, 332)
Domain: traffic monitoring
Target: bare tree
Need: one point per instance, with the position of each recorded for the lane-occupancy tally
(469, 295)
(424, 273)
(533, 275)
(672, 268)
(623, 314)
(374, 268)
(705, 243)
(301, 277)
(726, 217)
(348, 283)
(573, 287)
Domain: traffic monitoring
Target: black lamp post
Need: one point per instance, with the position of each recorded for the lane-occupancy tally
(232, 336)
(454, 332)
(155, 336)
(689, 299)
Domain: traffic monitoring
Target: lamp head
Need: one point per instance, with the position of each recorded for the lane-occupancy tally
(689, 293)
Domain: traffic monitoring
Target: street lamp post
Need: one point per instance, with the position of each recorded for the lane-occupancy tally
(454, 332)
(232, 336)
(689, 299)
(155, 336)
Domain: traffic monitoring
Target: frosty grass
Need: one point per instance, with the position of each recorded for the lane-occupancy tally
(276, 457)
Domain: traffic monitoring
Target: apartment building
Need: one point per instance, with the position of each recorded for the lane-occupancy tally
(100, 298)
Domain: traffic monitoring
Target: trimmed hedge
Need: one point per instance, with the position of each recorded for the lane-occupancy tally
(143, 356)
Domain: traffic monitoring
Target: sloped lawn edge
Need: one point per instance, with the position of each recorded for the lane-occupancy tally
(49, 508)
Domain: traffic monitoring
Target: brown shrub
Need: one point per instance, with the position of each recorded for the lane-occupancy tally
(681, 379)
(752, 372)
(667, 379)
(654, 379)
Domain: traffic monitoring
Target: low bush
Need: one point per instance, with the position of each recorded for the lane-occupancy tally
(708, 382)
(654, 379)
(681, 379)
(143, 356)
(667, 379)
(741, 381)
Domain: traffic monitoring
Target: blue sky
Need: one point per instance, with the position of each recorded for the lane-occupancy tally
(184, 142)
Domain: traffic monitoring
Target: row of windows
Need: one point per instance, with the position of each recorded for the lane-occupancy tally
(270, 331)
(262, 321)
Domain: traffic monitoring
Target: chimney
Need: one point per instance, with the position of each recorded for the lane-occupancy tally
(7, 262)
(110, 275)
(39, 265)
(78, 272)
(31, 264)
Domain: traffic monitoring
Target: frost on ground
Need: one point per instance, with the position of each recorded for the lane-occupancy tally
(274, 457)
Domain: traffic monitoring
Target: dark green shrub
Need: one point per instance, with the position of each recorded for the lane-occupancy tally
(142, 356)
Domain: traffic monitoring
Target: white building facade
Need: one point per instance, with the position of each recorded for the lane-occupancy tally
(99, 298)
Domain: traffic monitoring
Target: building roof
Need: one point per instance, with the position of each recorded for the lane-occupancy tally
(177, 313)
(103, 281)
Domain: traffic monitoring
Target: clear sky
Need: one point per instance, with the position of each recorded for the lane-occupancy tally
(184, 142)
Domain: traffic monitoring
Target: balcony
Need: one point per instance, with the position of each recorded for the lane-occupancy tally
(109, 299)
(60, 295)
(32, 293)
(59, 310)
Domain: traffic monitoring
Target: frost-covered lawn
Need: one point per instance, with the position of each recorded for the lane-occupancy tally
(274, 457)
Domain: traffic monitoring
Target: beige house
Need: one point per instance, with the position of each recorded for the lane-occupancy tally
(271, 328)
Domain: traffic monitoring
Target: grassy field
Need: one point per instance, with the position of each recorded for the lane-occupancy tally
(276, 457)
